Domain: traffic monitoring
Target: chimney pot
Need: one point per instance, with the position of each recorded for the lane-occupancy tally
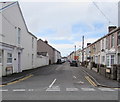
(110, 28)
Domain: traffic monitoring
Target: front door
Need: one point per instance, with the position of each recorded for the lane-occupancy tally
(119, 58)
(19, 62)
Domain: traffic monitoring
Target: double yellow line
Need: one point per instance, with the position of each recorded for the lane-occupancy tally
(90, 81)
(17, 80)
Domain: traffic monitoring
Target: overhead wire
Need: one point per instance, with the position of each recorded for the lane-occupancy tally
(103, 13)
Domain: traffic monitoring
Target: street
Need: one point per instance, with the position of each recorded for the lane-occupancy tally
(58, 82)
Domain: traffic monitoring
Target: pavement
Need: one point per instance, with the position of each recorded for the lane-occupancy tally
(101, 80)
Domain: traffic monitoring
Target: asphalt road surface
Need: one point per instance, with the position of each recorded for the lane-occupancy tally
(57, 82)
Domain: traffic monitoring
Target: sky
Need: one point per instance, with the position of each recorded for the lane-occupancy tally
(63, 22)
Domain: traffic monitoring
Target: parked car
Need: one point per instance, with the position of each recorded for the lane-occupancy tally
(59, 61)
(63, 60)
(74, 63)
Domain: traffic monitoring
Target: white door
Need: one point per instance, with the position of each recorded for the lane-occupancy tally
(19, 62)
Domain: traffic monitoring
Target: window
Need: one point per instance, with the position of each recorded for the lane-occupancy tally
(19, 35)
(0, 56)
(32, 42)
(9, 57)
(112, 59)
(112, 40)
(119, 38)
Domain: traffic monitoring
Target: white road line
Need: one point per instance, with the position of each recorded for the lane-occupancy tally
(88, 89)
(30, 89)
(54, 88)
(106, 89)
(52, 83)
(74, 77)
(18, 89)
(4, 90)
(72, 89)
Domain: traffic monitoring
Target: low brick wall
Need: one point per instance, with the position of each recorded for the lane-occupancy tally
(111, 73)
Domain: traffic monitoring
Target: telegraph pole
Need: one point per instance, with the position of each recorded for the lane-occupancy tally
(82, 48)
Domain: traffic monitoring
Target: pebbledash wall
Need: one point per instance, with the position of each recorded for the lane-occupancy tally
(18, 47)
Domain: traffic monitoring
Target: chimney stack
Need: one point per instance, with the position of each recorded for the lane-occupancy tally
(46, 41)
(110, 28)
(88, 44)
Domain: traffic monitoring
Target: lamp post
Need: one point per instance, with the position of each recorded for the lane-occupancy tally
(83, 49)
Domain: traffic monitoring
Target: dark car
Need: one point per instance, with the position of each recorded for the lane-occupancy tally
(74, 63)
(59, 61)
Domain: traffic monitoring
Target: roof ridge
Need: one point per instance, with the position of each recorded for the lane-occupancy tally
(8, 5)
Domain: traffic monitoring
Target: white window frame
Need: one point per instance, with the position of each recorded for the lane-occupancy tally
(9, 57)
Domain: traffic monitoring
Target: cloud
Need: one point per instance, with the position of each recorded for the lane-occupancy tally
(60, 20)
(68, 48)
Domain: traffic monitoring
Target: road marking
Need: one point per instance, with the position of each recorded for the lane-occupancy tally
(30, 89)
(88, 89)
(52, 83)
(19, 90)
(2, 85)
(17, 80)
(106, 89)
(74, 77)
(4, 90)
(53, 88)
(80, 82)
(72, 89)
(90, 81)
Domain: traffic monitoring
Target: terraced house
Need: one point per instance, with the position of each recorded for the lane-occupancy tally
(105, 50)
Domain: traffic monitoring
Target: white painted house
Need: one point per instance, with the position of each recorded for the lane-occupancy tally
(57, 55)
(18, 47)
